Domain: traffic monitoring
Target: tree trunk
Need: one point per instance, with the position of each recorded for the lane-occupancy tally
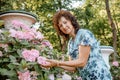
(114, 32)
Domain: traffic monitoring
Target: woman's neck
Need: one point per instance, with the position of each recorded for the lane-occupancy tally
(73, 34)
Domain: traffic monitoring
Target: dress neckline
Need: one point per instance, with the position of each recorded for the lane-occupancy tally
(73, 40)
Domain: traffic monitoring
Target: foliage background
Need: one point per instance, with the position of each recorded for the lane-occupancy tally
(91, 15)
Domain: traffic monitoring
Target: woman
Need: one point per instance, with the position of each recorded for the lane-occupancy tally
(83, 49)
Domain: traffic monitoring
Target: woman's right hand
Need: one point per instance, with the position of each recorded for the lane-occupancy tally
(49, 65)
(43, 63)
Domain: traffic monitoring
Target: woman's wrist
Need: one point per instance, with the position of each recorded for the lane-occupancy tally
(58, 63)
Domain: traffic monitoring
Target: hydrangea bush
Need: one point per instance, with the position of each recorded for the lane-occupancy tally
(115, 68)
(22, 49)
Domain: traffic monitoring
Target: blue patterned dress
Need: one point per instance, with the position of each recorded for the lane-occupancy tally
(95, 69)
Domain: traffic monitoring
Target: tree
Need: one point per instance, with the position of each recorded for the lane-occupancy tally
(111, 24)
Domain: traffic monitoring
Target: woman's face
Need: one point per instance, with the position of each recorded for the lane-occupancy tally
(65, 25)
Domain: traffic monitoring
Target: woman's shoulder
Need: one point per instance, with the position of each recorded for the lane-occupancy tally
(84, 31)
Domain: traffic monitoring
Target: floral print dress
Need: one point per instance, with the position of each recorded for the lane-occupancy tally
(96, 68)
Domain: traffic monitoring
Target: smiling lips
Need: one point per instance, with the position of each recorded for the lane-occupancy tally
(66, 30)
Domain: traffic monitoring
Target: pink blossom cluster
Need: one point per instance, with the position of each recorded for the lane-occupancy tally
(30, 55)
(47, 43)
(115, 63)
(33, 55)
(24, 75)
(27, 75)
(26, 32)
(17, 24)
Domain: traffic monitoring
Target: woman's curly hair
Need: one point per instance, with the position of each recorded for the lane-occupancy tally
(68, 16)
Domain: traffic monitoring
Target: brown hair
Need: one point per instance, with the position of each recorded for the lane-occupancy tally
(68, 16)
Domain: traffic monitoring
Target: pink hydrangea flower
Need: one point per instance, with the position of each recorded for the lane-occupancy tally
(42, 60)
(39, 36)
(19, 35)
(18, 24)
(47, 43)
(12, 32)
(30, 55)
(27, 35)
(30, 34)
(115, 63)
(16, 34)
(26, 32)
(24, 75)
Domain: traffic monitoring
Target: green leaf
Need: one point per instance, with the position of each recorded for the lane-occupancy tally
(6, 60)
(11, 66)
(7, 72)
(24, 42)
(23, 64)
(31, 63)
(16, 64)
(12, 58)
(19, 52)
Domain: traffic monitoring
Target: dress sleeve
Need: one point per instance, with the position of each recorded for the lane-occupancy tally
(87, 39)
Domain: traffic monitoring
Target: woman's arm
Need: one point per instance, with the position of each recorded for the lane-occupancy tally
(83, 55)
(70, 69)
(54, 63)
